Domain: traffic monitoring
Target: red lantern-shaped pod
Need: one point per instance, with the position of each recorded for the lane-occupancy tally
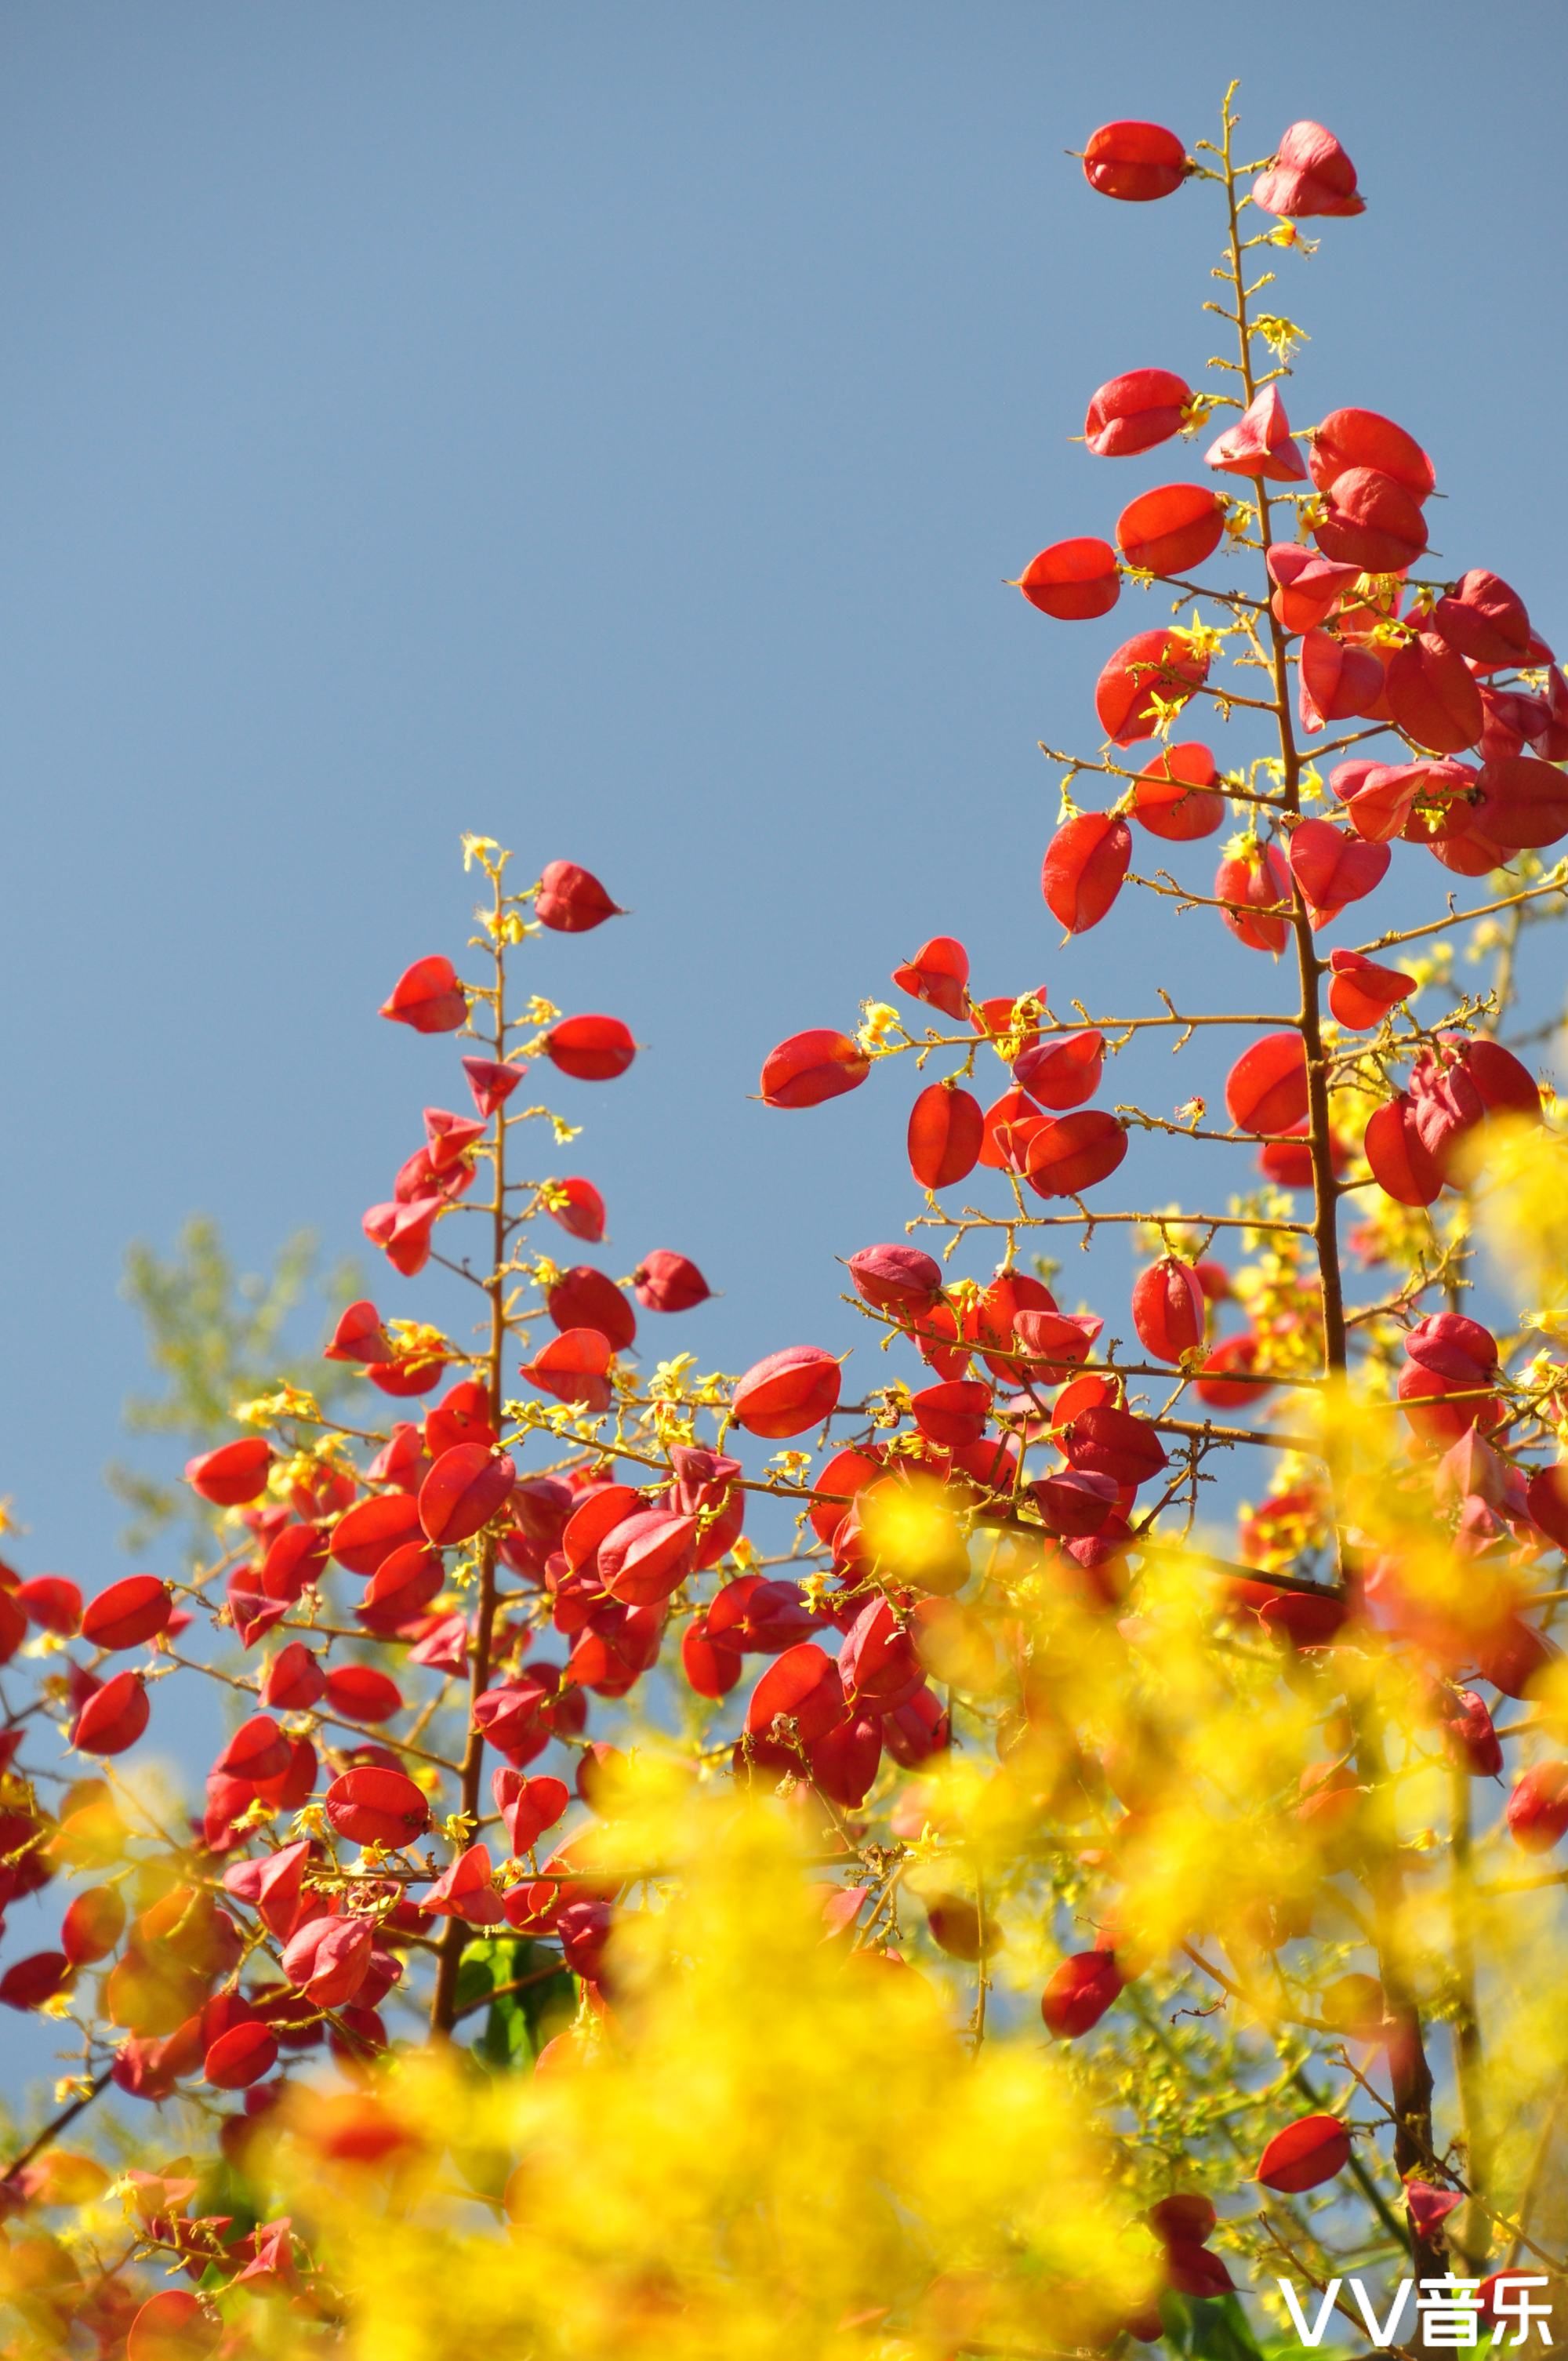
(1524, 804)
(1259, 881)
(571, 900)
(1135, 411)
(372, 1805)
(574, 1368)
(1334, 868)
(946, 1127)
(1306, 2154)
(1481, 617)
(1258, 444)
(788, 1392)
(1172, 528)
(1371, 522)
(804, 1684)
(1401, 1164)
(1363, 438)
(1310, 175)
(1079, 1991)
(1073, 580)
(1361, 992)
(1266, 1090)
(590, 1048)
(1168, 1309)
(1433, 696)
(1062, 1073)
(1071, 1152)
(428, 997)
(938, 973)
(576, 1205)
(1134, 161)
(1083, 868)
(1163, 664)
(233, 1475)
(1309, 588)
(811, 1067)
(1175, 797)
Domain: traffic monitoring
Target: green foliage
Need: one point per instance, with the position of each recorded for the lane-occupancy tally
(215, 1335)
(536, 1999)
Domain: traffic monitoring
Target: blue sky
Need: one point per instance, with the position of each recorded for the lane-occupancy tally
(609, 429)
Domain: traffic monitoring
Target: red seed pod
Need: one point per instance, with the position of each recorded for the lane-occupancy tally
(845, 1762)
(648, 1556)
(1470, 1735)
(847, 1473)
(1380, 796)
(669, 1282)
(360, 1693)
(1079, 1991)
(1073, 580)
(811, 1067)
(579, 1208)
(571, 901)
(1062, 1073)
(1538, 1808)
(93, 1925)
(1074, 1505)
(12, 1627)
(1546, 1497)
(896, 1279)
(1071, 1152)
(1335, 682)
(1361, 992)
(491, 1084)
(1104, 1441)
(583, 1297)
(1048, 1345)
(1306, 2154)
(463, 1415)
(1175, 797)
(938, 973)
(1364, 439)
(1524, 803)
(1172, 528)
(1259, 880)
(1334, 868)
(574, 1368)
(1290, 1162)
(1482, 618)
(1151, 664)
(33, 1982)
(953, 1413)
(467, 1488)
(359, 1336)
(878, 1665)
(1135, 411)
(448, 1137)
(373, 1529)
(1372, 523)
(1432, 696)
(173, 2325)
(711, 1668)
(1083, 868)
(234, 1474)
(402, 1232)
(114, 1716)
(803, 1683)
(258, 1750)
(1310, 175)
(51, 1603)
(528, 1807)
(1402, 1166)
(1168, 1309)
(946, 1126)
(1258, 444)
(590, 1048)
(1134, 161)
(329, 1958)
(242, 2055)
(1009, 1124)
(786, 1393)
(428, 997)
(602, 1510)
(402, 1587)
(293, 1680)
(1308, 588)
(373, 1806)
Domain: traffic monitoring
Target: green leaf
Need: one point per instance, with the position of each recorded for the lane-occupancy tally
(518, 2023)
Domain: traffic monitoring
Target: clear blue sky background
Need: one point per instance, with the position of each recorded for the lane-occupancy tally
(609, 428)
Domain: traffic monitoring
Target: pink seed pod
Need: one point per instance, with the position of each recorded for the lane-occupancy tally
(1310, 175)
(1134, 161)
(1258, 444)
